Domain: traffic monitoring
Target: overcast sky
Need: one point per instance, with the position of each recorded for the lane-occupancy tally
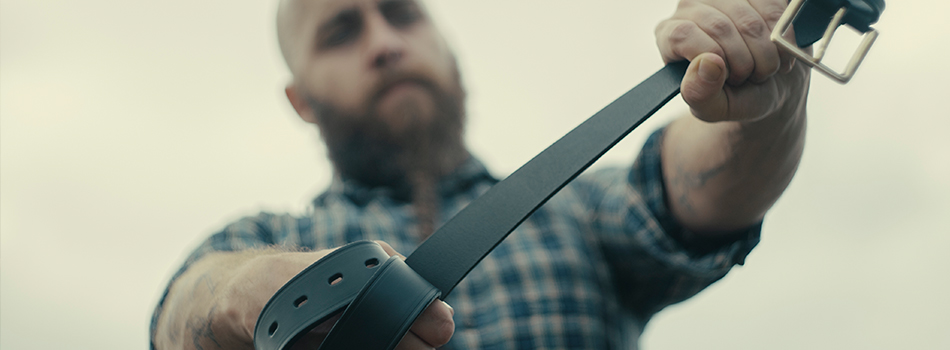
(130, 130)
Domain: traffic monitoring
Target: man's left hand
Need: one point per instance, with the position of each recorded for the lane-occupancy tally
(736, 73)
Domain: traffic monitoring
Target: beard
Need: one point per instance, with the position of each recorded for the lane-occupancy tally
(362, 146)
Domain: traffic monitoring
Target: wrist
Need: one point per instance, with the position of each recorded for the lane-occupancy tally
(194, 301)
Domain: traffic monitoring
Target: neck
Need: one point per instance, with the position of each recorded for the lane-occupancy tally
(425, 204)
(423, 170)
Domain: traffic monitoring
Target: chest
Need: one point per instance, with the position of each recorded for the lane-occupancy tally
(545, 286)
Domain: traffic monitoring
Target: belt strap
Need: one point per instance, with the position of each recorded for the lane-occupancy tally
(449, 254)
(382, 300)
(352, 276)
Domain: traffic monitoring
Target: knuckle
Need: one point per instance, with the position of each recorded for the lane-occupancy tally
(765, 68)
(718, 27)
(693, 95)
(772, 67)
(687, 4)
(681, 32)
(763, 73)
(741, 72)
(661, 28)
(751, 26)
(772, 13)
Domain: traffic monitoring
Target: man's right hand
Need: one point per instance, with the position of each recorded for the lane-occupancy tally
(215, 304)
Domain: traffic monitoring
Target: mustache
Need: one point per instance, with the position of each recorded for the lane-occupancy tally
(391, 79)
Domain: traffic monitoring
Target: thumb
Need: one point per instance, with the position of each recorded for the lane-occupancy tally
(702, 87)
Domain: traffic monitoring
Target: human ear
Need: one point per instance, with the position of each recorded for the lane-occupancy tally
(300, 103)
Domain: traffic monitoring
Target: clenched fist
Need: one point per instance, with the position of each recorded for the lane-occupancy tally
(736, 73)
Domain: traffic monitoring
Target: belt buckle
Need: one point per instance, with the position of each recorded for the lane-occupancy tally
(821, 46)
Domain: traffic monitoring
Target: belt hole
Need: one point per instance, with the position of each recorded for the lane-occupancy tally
(337, 278)
(272, 329)
(371, 263)
(300, 301)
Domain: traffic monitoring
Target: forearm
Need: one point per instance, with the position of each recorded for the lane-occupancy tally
(724, 176)
(215, 304)
(194, 300)
(725, 168)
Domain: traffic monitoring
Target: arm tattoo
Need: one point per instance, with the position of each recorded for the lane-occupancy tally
(206, 280)
(685, 181)
(200, 328)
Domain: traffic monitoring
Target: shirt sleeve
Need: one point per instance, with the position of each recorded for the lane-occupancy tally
(654, 263)
(252, 232)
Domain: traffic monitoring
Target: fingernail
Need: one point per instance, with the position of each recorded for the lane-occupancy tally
(451, 309)
(709, 71)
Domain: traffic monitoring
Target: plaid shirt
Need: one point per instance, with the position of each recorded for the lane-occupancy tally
(586, 271)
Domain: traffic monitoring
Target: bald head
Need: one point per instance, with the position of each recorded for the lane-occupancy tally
(299, 20)
(288, 30)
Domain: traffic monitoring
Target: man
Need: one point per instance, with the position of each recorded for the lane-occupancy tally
(587, 270)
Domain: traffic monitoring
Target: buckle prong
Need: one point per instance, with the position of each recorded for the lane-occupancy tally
(821, 47)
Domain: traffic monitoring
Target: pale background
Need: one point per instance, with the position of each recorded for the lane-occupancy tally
(130, 130)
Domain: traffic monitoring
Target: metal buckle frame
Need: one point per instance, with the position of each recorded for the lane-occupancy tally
(821, 46)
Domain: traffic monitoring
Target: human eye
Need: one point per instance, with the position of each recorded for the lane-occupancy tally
(341, 31)
(400, 13)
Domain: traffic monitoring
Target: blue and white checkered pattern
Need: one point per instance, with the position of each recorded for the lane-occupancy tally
(586, 271)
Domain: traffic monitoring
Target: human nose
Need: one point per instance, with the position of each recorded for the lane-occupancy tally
(386, 46)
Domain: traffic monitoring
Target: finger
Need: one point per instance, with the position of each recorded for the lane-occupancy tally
(389, 249)
(680, 39)
(771, 11)
(435, 326)
(412, 342)
(752, 102)
(788, 59)
(702, 88)
(754, 31)
(315, 336)
(747, 102)
(325, 326)
(311, 340)
(715, 23)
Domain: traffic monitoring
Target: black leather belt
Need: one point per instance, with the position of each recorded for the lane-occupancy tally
(381, 296)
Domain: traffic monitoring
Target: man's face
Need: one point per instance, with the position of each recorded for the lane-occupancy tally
(379, 81)
(372, 57)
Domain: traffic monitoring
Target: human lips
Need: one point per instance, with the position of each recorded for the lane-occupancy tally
(404, 100)
(401, 91)
(400, 87)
